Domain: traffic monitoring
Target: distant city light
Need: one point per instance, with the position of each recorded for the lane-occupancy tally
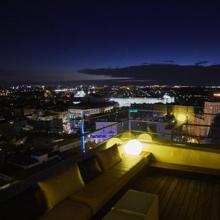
(128, 101)
(216, 94)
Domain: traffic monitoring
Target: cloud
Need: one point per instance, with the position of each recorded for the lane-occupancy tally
(165, 73)
(169, 61)
(197, 74)
(202, 62)
(13, 76)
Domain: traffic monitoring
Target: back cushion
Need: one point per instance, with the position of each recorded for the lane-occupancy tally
(89, 169)
(109, 157)
(59, 187)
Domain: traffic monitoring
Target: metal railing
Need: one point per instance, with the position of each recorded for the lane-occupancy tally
(170, 123)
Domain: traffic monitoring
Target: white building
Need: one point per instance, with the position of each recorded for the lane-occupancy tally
(80, 94)
(74, 115)
(126, 102)
(76, 112)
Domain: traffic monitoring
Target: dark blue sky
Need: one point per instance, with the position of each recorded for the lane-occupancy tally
(54, 39)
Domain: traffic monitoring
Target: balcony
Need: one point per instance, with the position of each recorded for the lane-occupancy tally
(184, 175)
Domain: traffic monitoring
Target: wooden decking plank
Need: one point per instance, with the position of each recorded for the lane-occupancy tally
(161, 185)
(184, 211)
(168, 193)
(206, 201)
(193, 200)
(218, 202)
(207, 205)
(183, 198)
(180, 199)
(166, 185)
(163, 191)
(143, 183)
(214, 211)
(147, 184)
(159, 180)
(169, 214)
(198, 214)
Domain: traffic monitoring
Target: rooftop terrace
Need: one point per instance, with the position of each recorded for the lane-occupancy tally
(184, 175)
(187, 179)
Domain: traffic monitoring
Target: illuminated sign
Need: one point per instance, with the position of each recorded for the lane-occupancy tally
(133, 110)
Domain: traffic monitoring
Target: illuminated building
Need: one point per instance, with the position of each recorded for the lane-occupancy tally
(126, 102)
(73, 118)
(80, 94)
(104, 134)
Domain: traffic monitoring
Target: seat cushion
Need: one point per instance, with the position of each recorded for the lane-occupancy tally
(128, 162)
(59, 187)
(109, 157)
(98, 191)
(90, 169)
(68, 210)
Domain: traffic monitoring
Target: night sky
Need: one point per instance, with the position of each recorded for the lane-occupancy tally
(52, 40)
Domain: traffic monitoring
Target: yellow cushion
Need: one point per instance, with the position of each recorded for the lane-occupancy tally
(97, 192)
(100, 190)
(128, 162)
(109, 157)
(59, 187)
(131, 166)
(68, 210)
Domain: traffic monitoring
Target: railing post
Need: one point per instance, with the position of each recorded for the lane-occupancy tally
(129, 120)
(83, 146)
(187, 121)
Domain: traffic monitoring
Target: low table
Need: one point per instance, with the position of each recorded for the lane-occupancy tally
(135, 205)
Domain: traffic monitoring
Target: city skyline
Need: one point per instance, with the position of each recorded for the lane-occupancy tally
(109, 110)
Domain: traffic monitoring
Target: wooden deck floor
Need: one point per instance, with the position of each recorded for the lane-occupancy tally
(181, 197)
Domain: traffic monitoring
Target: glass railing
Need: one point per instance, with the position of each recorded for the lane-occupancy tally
(164, 123)
(170, 124)
(98, 129)
(181, 124)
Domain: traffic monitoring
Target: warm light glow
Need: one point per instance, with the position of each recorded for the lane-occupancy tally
(113, 141)
(127, 136)
(145, 137)
(193, 141)
(216, 94)
(181, 118)
(133, 147)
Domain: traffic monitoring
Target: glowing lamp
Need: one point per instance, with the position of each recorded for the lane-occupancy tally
(144, 137)
(113, 141)
(181, 118)
(133, 147)
(127, 136)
